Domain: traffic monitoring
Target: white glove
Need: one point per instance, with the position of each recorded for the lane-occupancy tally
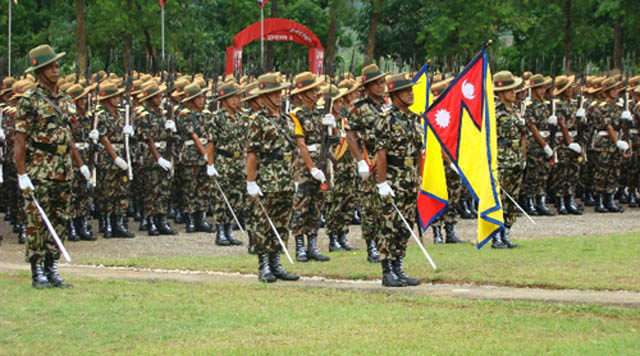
(581, 113)
(253, 189)
(212, 171)
(166, 165)
(2, 136)
(170, 125)
(384, 189)
(121, 163)
(363, 169)
(329, 120)
(24, 182)
(552, 120)
(453, 166)
(626, 115)
(622, 145)
(318, 175)
(575, 148)
(128, 130)
(94, 134)
(548, 151)
(85, 172)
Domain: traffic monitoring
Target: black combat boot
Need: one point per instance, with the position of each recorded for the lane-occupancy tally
(179, 218)
(600, 208)
(15, 226)
(496, 240)
(541, 207)
(372, 252)
(572, 207)
(277, 269)
(102, 224)
(119, 230)
(22, 235)
(251, 246)
(312, 249)
(72, 234)
(221, 239)
(51, 271)
(228, 234)
(451, 237)
(137, 215)
(560, 207)
(633, 199)
(144, 223)
(333, 242)
(171, 212)
(38, 278)
(463, 210)
(8, 216)
(529, 207)
(342, 240)
(301, 252)
(200, 221)
(389, 277)
(356, 218)
(264, 271)
(611, 205)
(108, 228)
(505, 236)
(623, 196)
(162, 223)
(589, 200)
(471, 203)
(397, 269)
(437, 235)
(131, 209)
(188, 220)
(82, 226)
(152, 229)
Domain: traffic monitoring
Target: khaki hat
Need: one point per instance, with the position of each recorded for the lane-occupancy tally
(526, 75)
(251, 92)
(65, 86)
(70, 78)
(398, 82)
(596, 85)
(192, 91)
(7, 82)
(504, 80)
(77, 91)
(350, 85)
(42, 56)
(108, 90)
(136, 86)
(637, 90)
(269, 83)
(371, 73)
(538, 80)
(439, 87)
(228, 89)
(611, 83)
(305, 81)
(330, 90)
(563, 83)
(633, 83)
(522, 87)
(18, 88)
(180, 84)
(151, 90)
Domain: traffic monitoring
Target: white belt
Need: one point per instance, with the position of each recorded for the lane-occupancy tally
(82, 145)
(313, 148)
(544, 134)
(203, 141)
(161, 144)
(634, 131)
(603, 133)
(571, 134)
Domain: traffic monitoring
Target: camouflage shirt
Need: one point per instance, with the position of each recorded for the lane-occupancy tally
(401, 135)
(362, 119)
(82, 125)
(228, 136)
(151, 125)
(110, 126)
(509, 127)
(536, 114)
(9, 126)
(45, 121)
(307, 127)
(273, 150)
(188, 123)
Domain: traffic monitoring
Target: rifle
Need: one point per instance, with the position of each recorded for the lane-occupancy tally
(172, 137)
(326, 159)
(127, 122)
(553, 128)
(625, 126)
(1, 147)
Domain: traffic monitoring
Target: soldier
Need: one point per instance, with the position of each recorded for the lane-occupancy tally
(269, 165)
(228, 136)
(157, 132)
(587, 131)
(172, 105)
(399, 147)
(510, 127)
(192, 121)
(308, 198)
(112, 168)
(361, 139)
(43, 151)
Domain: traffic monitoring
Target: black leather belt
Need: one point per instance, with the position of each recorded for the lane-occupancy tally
(400, 161)
(271, 157)
(51, 148)
(229, 154)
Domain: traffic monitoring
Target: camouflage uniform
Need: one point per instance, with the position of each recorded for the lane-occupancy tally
(510, 159)
(81, 194)
(49, 134)
(342, 200)
(538, 164)
(608, 159)
(586, 131)
(14, 198)
(195, 181)
(275, 168)
(177, 196)
(401, 135)
(455, 190)
(567, 167)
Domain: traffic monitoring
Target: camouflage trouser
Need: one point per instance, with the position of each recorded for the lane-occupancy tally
(195, 185)
(632, 169)
(341, 202)
(81, 200)
(158, 189)
(177, 193)
(393, 237)
(278, 206)
(307, 207)
(233, 189)
(566, 173)
(605, 175)
(370, 214)
(112, 195)
(54, 197)
(455, 189)
(510, 182)
(587, 170)
(140, 188)
(537, 173)
(15, 199)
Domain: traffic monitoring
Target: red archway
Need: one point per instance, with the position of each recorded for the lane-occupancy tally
(276, 29)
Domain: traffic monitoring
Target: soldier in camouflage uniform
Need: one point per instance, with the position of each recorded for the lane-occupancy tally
(308, 198)
(192, 127)
(361, 138)
(157, 133)
(113, 182)
(269, 165)
(228, 135)
(634, 175)
(43, 151)
(510, 128)
(587, 131)
(172, 105)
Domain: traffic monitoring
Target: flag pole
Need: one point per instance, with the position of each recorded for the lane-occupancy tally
(262, 36)
(9, 39)
(162, 14)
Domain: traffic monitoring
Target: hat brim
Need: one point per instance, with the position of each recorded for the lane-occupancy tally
(252, 95)
(318, 81)
(83, 94)
(236, 92)
(546, 82)
(118, 92)
(558, 91)
(189, 98)
(612, 86)
(381, 75)
(161, 89)
(395, 89)
(516, 83)
(5, 91)
(271, 90)
(46, 63)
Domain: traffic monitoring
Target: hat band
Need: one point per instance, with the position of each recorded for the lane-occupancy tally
(537, 82)
(399, 83)
(505, 83)
(106, 92)
(227, 91)
(42, 58)
(269, 85)
(368, 76)
(306, 83)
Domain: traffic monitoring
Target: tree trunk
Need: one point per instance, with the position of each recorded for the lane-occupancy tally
(617, 44)
(81, 38)
(270, 56)
(376, 7)
(331, 40)
(568, 35)
(128, 43)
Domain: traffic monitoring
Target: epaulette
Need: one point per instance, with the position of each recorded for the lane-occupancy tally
(296, 109)
(360, 101)
(593, 104)
(603, 104)
(184, 111)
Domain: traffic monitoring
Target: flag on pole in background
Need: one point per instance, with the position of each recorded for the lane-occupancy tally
(262, 3)
(463, 121)
(161, 2)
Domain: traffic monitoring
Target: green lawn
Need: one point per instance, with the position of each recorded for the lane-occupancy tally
(587, 262)
(140, 318)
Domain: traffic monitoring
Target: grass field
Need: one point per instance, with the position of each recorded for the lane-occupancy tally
(586, 262)
(143, 318)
